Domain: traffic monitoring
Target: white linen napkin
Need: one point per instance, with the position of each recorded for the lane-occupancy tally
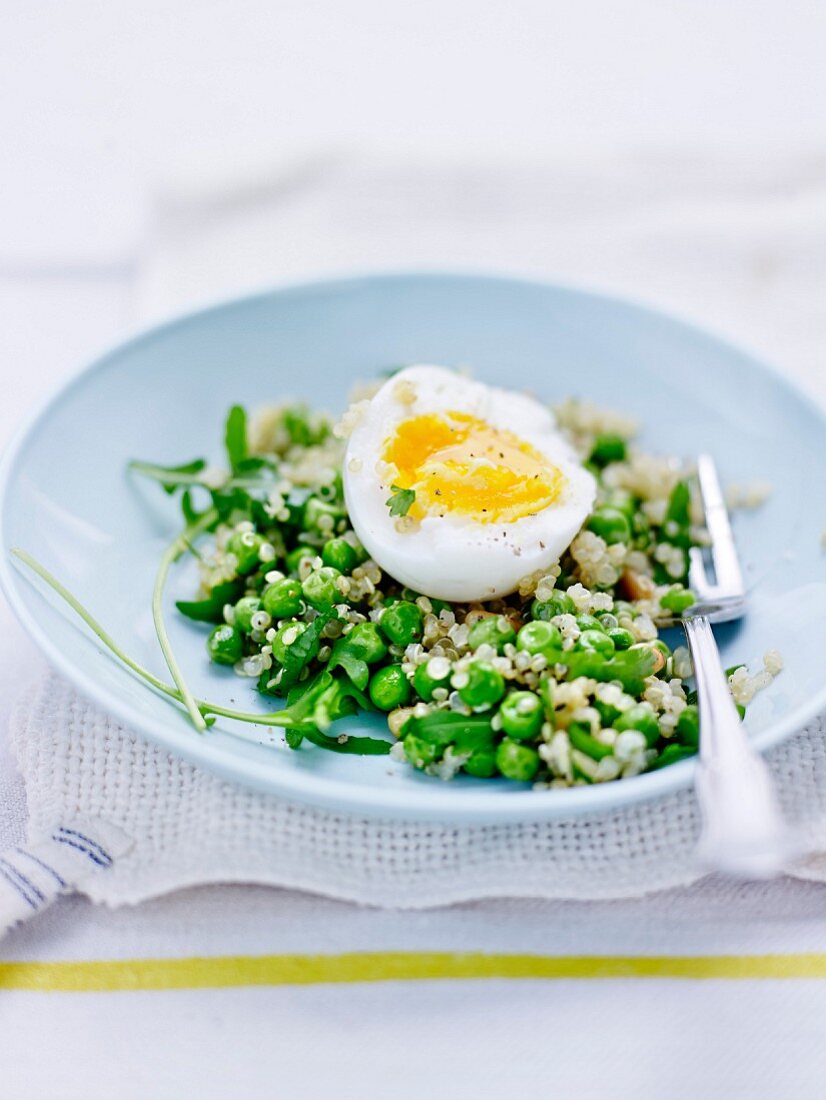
(120, 820)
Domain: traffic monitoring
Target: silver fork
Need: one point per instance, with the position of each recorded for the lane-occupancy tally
(743, 832)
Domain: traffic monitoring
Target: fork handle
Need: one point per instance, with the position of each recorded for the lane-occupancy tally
(743, 833)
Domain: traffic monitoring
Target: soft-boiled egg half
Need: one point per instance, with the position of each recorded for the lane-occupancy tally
(489, 489)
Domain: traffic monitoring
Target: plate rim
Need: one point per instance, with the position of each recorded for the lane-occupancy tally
(426, 803)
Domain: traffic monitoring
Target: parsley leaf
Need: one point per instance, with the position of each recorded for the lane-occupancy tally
(211, 609)
(235, 437)
(401, 501)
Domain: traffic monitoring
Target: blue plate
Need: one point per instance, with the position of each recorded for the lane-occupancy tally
(163, 396)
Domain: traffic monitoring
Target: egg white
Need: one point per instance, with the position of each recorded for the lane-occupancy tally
(455, 557)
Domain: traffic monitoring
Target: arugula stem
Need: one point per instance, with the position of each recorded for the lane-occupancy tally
(168, 558)
(279, 719)
(92, 623)
(158, 473)
(272, 719)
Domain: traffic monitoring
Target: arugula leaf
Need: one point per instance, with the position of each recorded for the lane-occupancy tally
(671, 754)
(232, 504)
(346, 657)
(293, 738)
(190, 512)
(546, 694)
(678, 505)
(263, 683)
(468, 732)
(235, 437)
(357, 746)
(254, 464)
(211, 609)
(675, 531)
(314, 707)
(630, 666)
(167, 475)
(303, 650)
(401, 501)
(305, 429)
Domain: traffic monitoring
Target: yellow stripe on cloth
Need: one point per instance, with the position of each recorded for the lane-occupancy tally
(225, 971)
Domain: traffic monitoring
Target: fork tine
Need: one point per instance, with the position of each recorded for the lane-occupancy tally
(723, 549)
(698, 580)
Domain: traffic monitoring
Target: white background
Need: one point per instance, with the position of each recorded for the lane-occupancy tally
(111, 112)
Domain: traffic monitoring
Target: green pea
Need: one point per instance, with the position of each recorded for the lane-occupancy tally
(319, 588)
(516, 761)
(494, 630)
(297, 556)
(688, 726)
(522, 715)
(419, 752)
(424, 684)
(607, 620)
(559, 603)
(244, 611)
(640, 717)
(623, 501)
(279, 646)
(339, 554)
(485, 686)
(589, 622)
(225, 645)
(677, 599)
(401, 623)
(610, 524)
(282, 599)
(365, 642)
(315, 509)
(389, 688)
(538, 637)
(608, 447)
(481, 764)
(245, 546)
(597, 641)
(622, 639)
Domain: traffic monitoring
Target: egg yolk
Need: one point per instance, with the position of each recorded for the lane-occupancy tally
(460, 465)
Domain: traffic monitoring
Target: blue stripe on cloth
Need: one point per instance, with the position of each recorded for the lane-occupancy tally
(21, 891)
(42, 863)
(18, 874)
(93, 844)
(81, 848)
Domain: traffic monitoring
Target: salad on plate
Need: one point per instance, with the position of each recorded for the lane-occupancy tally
(491, 573)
